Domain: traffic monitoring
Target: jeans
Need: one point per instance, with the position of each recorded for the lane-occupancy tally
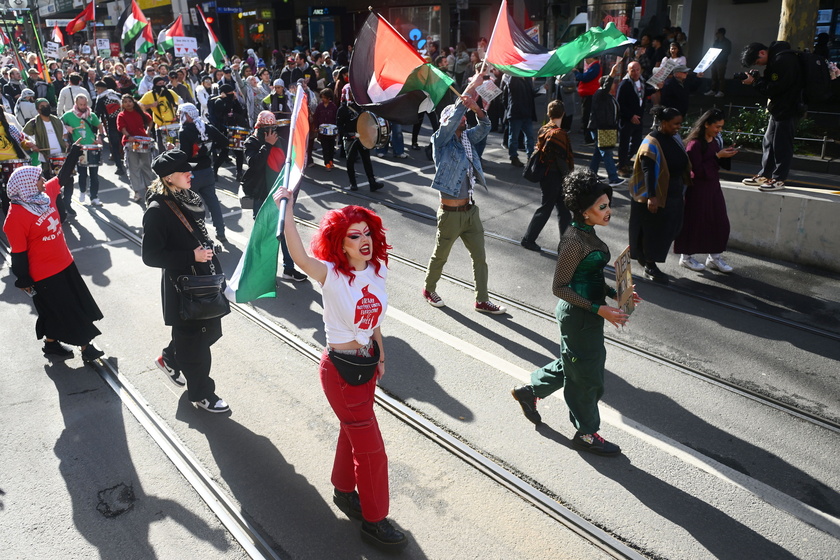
(397, 141)
(83, 180)
(605, 154)
(450, 227)
(360, 461)
(514, 127)
(204, 183)
(777, 148)
(415, 130)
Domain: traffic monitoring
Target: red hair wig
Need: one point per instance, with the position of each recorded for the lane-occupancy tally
(328, 243)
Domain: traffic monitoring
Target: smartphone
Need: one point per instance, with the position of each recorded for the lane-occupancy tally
(735, 146)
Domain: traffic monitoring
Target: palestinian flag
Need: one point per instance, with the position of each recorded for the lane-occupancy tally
(217, 54)
(513, 52)
(145, 42)
(131, 24)
(389, 77)
(165, 39)
(5, 42)
(80, 21)
(57, 35)
(256, 274)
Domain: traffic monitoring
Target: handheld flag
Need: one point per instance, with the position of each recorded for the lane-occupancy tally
(256, 274)
(389, 77)
(131, 23)
(165, 39)
(513, 52)
(217, 54)
(145, 41)
(80, 21)
(57, 35)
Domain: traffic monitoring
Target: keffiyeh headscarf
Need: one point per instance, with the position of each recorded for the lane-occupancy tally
(265, 118)
(22, 189)
(188, 109)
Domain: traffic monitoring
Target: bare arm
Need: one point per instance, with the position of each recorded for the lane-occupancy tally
(311, 266)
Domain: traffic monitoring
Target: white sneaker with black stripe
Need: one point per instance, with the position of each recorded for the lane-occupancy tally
(772, 185)
(214, 405)
(172, 374)
(756, 181)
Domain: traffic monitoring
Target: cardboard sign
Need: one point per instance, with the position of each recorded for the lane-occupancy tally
(707, 60)
(103, 47)
(624, 282)
(51, 49)
(185, 46)
(85, 49)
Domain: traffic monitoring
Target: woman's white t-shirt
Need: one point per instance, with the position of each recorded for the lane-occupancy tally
(352, 312)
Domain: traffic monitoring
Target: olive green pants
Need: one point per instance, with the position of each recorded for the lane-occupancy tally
(466, 226)
(580, 367)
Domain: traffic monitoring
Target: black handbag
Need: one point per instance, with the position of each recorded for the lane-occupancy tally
(201, 295)
(535, 169)
(356, 370)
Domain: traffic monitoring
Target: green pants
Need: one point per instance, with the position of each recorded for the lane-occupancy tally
(467, 226)
(580, 367)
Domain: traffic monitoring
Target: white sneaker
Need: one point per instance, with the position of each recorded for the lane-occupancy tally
(401, 156)
(719, 94)
(617, 183)
(717, 263)
(756, 181)
(688, 261)
(710, 93)
(81, 196)
(773, 185)
(216, 407)
(95, 202)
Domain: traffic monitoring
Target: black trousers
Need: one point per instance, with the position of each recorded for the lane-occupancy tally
(221, 157)
(588, 135)
(355, 152)
(189, 352)
(629, 139)
(777, 148)
(327, 147)
(552, 189)
(115, 144)
(415, 130)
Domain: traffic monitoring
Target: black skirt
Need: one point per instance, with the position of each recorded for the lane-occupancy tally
(651, 235)
(66, 310)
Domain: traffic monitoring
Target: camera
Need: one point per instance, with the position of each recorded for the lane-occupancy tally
(741, 76)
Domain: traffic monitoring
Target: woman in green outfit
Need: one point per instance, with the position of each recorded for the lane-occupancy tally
(580, 285)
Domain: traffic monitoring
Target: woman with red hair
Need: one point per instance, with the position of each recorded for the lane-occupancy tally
(349, 259)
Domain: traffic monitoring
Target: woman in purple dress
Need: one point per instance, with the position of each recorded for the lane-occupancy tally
(705, 223)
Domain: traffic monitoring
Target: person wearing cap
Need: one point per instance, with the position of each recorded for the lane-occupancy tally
(14, 87)
(107, 106)
(581, 312)
(227, 77)
(197, 139)
(675, 91)
(44, 267)
(279, 102)
(291, 73)
(25, 107)
(49, 134)
(457, 171)
(170, 246)
(41, 88)
(226, 111)
(265, 87)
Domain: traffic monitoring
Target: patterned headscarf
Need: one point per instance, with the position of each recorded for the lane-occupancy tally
(188, 109)
(23, 189)
(265, 118)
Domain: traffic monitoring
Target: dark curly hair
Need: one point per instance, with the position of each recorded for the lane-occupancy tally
(581, 188)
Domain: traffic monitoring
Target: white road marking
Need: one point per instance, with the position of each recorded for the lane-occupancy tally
(777, 499)
(97, 245)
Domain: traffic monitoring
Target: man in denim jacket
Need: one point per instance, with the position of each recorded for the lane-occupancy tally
(457, 171)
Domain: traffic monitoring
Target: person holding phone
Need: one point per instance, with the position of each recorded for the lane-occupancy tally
(705, 226)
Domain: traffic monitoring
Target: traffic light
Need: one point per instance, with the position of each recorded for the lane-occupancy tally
(210, 19)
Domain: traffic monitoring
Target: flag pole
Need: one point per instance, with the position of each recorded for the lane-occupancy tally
(287, 166)
(414, 50)
(12, 44)
(40, 50)
(502, 10)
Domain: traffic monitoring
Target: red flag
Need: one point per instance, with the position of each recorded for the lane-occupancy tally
(57, 35)
(80, 21)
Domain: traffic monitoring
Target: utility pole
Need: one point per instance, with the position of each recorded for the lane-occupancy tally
(798, 20)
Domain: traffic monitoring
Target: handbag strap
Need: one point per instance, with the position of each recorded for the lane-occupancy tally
(177, 211)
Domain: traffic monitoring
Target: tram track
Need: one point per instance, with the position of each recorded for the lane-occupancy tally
(250, 537)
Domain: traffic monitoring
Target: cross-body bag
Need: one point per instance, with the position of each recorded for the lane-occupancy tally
(201, 295)
(536, 169)
(355, 370)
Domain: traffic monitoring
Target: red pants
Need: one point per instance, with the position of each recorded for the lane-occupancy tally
(360, 460)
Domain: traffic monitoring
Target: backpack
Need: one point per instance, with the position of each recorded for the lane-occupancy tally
(815, 75)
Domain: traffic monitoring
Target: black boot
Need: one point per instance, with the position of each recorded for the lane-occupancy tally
(374, 184)
(524, 394)
(652, 272)
(91, 353)
(55, 349)
(383, 535)
(349, 503)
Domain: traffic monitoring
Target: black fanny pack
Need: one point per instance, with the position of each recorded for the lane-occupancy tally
(355, 370)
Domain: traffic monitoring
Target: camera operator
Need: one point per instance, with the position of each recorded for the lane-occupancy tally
(782, 84)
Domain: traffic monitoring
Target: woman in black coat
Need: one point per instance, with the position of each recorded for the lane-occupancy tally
(168, 244)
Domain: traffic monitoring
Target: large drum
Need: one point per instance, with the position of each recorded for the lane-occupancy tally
(91, 155)
(328, 130)
(169, 135)
(8, 167)
(373, 131)
(57, 162)
(140, 145)
(236, 138)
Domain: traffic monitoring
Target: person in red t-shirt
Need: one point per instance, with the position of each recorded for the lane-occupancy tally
(44, 266)
(133, 122)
